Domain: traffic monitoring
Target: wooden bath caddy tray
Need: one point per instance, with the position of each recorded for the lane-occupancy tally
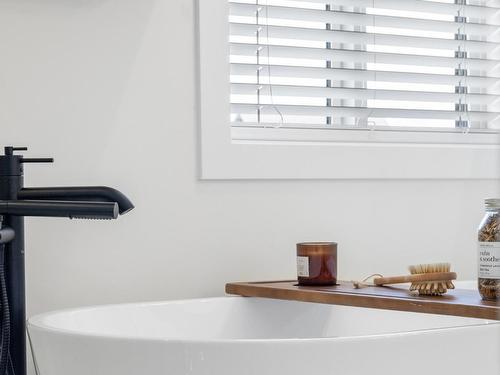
(458, 302)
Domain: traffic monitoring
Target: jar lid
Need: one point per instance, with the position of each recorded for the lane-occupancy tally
(492, 203)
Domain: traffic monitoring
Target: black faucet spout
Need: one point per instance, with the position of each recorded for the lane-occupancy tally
(78, 194)
(72, 210)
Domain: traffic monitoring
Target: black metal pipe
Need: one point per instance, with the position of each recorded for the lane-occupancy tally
(78, 193)
(73, 210)
(10, 183)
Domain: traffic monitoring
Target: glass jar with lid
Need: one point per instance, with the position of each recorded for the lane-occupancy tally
(489, 252)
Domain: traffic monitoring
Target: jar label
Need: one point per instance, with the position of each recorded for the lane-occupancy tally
(303, 266)
(489, 260)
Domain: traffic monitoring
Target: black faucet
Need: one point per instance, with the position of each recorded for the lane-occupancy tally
(16, 202)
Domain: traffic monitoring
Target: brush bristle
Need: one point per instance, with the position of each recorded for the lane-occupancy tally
(431, 288)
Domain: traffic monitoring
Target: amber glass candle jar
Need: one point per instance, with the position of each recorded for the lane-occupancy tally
(317, 263)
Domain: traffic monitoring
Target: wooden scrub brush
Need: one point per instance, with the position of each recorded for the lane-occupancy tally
(426, 279)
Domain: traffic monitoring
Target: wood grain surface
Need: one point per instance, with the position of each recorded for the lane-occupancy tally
(457, 302)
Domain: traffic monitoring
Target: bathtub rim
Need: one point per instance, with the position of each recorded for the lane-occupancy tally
(35, 323)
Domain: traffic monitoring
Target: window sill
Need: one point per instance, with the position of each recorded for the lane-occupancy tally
(253, 159)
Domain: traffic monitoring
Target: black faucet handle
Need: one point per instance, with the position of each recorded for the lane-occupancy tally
(9, 150)
(37, 160)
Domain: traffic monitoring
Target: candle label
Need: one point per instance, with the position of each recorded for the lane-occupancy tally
(303, 266)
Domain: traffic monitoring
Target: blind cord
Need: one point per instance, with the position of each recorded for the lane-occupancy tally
(269, 70)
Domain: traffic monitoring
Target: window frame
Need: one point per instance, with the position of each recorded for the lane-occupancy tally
(227, 152)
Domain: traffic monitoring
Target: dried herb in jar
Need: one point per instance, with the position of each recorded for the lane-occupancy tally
(489, 252)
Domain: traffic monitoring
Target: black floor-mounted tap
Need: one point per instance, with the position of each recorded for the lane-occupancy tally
(16, 202)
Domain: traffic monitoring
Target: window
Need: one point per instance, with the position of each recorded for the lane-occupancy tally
(350, 88)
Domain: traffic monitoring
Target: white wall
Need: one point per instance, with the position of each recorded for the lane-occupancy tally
(107, 87)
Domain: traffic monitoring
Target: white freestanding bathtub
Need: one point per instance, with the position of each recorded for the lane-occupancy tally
(242, 336)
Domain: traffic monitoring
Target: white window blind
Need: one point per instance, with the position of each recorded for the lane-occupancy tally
(398, 65)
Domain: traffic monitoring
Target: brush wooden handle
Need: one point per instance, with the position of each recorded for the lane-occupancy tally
(437, 276)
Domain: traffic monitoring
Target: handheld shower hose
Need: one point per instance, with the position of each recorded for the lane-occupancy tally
(5, 314)
(6, 235)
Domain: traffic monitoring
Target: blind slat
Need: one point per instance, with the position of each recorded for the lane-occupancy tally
(360, 93)
(475, 48)
(478, 67)
(362, 19)
(478, 9)
(358, 112)
(484, 84)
